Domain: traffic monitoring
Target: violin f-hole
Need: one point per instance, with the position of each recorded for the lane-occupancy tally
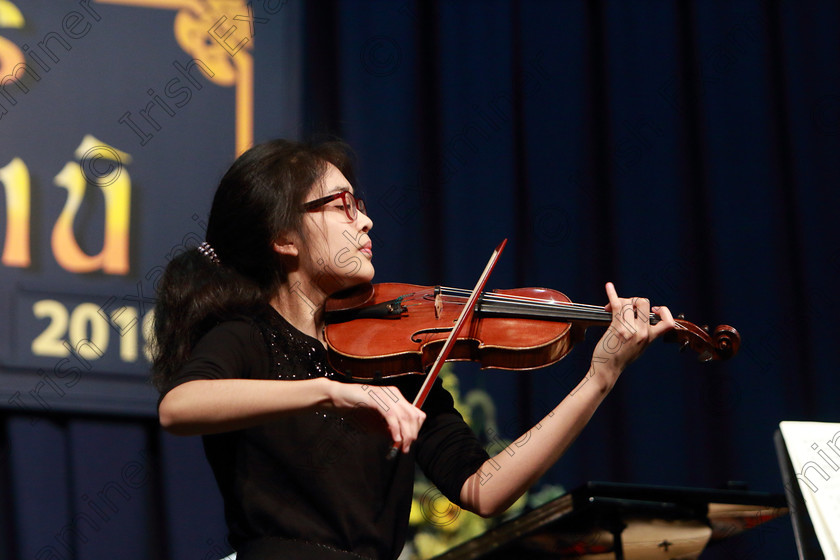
(416, 335)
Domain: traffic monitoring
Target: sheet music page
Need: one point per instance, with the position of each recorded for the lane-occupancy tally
(814, 449)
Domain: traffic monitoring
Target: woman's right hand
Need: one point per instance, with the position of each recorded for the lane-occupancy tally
(403, 419)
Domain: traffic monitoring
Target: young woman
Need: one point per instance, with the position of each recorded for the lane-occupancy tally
(299, 451)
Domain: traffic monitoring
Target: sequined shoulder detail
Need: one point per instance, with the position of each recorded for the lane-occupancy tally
(294, 355)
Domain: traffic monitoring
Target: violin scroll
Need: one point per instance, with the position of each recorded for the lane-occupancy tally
(721, 344)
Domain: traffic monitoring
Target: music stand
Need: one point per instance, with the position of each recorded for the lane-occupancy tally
(807, 543)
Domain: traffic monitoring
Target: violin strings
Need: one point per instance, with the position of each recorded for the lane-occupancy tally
(523, 302)
(514, 299)
(566, 309)
(510, 297)
(513, 302)
(494, 302)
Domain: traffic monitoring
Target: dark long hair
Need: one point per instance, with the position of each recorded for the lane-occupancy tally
(257, 199)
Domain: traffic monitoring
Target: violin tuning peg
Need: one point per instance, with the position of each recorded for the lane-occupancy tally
(681, 316)
(705, 328)
(684, 345)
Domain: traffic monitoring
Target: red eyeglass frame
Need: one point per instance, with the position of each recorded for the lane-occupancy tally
(354, 202)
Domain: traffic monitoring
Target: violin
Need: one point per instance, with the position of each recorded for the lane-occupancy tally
(377, 331)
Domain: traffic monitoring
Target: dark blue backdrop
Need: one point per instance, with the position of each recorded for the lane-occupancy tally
(684, 150)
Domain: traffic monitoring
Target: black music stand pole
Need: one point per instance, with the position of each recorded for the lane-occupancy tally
(616, 526)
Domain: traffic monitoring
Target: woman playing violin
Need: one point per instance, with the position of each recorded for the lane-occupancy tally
(299, 450)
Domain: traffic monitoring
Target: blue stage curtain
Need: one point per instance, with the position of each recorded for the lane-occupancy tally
(683, 150)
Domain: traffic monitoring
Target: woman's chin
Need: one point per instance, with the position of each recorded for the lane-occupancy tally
(362, 278)
(365, 274)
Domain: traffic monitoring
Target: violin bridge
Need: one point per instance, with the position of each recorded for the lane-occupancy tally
(438, 304)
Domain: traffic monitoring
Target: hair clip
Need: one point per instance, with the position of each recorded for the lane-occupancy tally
(207, 250)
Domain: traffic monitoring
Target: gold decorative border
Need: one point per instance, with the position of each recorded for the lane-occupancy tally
(208, 31)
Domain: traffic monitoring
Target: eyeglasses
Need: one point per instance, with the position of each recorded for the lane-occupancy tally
(350, 204)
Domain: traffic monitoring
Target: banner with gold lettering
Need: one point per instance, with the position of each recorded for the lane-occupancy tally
(117, 118)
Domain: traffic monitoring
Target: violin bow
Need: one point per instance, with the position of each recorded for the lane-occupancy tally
(453, 336)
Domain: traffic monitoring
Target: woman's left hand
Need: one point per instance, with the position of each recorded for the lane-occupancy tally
(629, 333)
